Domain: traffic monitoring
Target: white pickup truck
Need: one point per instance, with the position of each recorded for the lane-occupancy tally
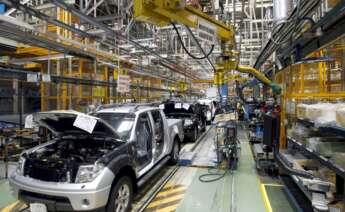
(96, 161)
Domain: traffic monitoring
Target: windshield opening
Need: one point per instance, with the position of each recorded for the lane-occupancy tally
(121, 122)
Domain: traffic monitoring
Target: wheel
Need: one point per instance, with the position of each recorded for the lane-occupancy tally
(175, 153)
(203, 129)
(195, 134)
(121, 195)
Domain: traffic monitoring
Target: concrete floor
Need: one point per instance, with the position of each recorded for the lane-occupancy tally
(6, 197)
(242, 190)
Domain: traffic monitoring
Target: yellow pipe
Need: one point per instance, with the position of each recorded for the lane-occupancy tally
(257, 74)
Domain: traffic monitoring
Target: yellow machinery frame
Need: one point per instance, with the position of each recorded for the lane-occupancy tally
(165, 12)
(310, 83)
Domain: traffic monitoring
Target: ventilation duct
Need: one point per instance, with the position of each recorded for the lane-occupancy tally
(281, 11)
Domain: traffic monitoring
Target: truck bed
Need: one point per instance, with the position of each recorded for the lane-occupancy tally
(178, 125)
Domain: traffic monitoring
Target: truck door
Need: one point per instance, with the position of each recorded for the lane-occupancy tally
(158, 130)
(144, 138)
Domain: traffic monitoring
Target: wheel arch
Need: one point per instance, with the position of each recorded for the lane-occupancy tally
(128, 171)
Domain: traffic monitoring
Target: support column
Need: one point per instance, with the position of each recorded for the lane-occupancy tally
(80, 86)
(106, 88)
(58, 86)
(69, 85)
(42, 91)
(15, 96)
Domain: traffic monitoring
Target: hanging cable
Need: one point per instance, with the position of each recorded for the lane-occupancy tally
(200, 47)
(186, 50)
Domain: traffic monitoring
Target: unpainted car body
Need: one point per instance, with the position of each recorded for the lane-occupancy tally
(84, 171)
(192, 115)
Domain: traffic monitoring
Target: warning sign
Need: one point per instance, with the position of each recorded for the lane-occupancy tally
(206, 32)
(123, 83)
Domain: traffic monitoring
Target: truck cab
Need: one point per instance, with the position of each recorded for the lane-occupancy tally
(98, 160)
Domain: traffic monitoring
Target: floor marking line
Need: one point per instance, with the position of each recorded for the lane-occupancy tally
(167, 200)
(10, 207)
(167, 188)
(164, 207)
(266, 199)
(262, 187)
(171, 192)
(19, 206)
(168, 209)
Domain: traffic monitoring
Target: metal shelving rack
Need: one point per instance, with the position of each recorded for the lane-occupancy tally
(315, 155)
(326, 162)
(323, 160)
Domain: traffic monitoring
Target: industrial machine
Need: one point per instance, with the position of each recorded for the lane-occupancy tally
(168, 12)
(227, 144)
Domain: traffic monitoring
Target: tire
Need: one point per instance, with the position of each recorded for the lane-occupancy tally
(204, 127)
(195, 134)
(175, 153)
(124, 186)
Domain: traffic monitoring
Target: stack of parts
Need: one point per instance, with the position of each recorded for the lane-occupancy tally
(322, 113)
(301, 133)
(339, 158)
(324, 180)
(340, 117)
(302, 111)
(326, 146)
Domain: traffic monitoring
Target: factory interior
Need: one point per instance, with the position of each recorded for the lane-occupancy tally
(172, 105)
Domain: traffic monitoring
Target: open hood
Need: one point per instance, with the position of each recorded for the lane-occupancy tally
(72, 122)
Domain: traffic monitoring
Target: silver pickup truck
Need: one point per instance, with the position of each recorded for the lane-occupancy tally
(96, 161)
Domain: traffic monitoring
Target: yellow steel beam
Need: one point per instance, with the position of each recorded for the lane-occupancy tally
(316, 95)
(231, 77)
(164, 12)
(209, 81)
(34, 51)
(32, 65)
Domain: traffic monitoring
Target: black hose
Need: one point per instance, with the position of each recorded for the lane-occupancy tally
(186, 50)
(217, 175)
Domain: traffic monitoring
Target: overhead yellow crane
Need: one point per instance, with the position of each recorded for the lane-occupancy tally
(165, 12)
(232, 77)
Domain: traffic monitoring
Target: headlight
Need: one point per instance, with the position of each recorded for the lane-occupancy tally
(188, 122)
(20, 165)
(89, 172)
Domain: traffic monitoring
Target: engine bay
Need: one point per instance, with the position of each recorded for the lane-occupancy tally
(60, 161)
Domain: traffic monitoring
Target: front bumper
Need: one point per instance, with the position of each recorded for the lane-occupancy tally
(64, 196)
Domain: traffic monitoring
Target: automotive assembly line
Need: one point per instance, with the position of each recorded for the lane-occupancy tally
(172, 105)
